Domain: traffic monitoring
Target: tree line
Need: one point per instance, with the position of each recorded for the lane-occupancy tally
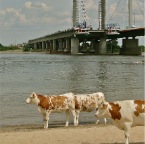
(5, 48)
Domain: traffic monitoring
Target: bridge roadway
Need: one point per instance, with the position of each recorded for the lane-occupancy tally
(68, 41)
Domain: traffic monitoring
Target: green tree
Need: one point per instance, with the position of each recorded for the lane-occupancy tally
(1, 45)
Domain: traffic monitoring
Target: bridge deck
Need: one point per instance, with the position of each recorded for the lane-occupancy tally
(89, 35)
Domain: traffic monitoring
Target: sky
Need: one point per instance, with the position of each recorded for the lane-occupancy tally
(22, 20)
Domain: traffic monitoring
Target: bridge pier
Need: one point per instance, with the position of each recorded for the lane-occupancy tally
(35, 45)
(60, 47)
(54, 45)
(102, 46)
(67, 45)
(43, 45)
(50, 46)
(130, 47)
(74, 45)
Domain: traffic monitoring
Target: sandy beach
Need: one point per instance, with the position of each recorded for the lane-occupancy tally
(83, 134)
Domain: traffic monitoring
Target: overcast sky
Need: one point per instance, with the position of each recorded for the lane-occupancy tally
(21, 20)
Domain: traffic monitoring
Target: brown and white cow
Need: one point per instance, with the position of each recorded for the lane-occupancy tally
(125, 114)
(48, 104)
(88, 103)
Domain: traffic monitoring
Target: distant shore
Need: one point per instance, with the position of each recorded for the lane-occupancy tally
(83, 134)
(19, 51)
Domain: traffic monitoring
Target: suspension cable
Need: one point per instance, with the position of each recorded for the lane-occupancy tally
(114, 10)
(140, 8)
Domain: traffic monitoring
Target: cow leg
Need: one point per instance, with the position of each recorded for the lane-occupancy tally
(97, 121)
(67, 117)
(127, 127)
(77, 117)
(105, 120)
(74, 115)
(45, 119)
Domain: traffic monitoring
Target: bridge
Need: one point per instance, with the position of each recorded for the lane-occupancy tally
(69, 41)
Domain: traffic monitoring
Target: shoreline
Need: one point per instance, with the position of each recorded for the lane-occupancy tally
(36, 127)
(20, 51)
(58, 134)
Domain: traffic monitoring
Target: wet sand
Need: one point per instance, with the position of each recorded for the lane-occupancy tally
(58, 134)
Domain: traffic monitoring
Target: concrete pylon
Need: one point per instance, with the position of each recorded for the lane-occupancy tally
(60, 49)
(130, 13)
(130, 47)
(54, 45)
(102, 14)
(35, 45)
(102, 46)
(67, 45)
(74, 46)
(75, 13)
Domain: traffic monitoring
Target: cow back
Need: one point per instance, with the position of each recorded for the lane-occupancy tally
(55, 103)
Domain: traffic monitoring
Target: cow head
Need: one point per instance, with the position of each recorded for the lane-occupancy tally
(100, 98)
(32, 99)
(102, 110)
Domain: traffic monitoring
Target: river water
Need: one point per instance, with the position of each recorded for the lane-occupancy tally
(118, 77)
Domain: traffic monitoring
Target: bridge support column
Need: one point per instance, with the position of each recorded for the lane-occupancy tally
(130, 47)
(35, 45)
(49, 46)
(67, 45)
(60, 49)
(43, 45)
(54, 45)
(102, 46)
(74, 46)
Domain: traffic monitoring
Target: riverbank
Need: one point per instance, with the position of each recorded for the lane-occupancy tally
(83, 134)
(20, 51)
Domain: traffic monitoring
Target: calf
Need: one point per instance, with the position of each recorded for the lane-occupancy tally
(88, 102)
(125, 114)
(48, 104)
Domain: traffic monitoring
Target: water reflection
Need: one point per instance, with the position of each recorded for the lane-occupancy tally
(102, 75)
